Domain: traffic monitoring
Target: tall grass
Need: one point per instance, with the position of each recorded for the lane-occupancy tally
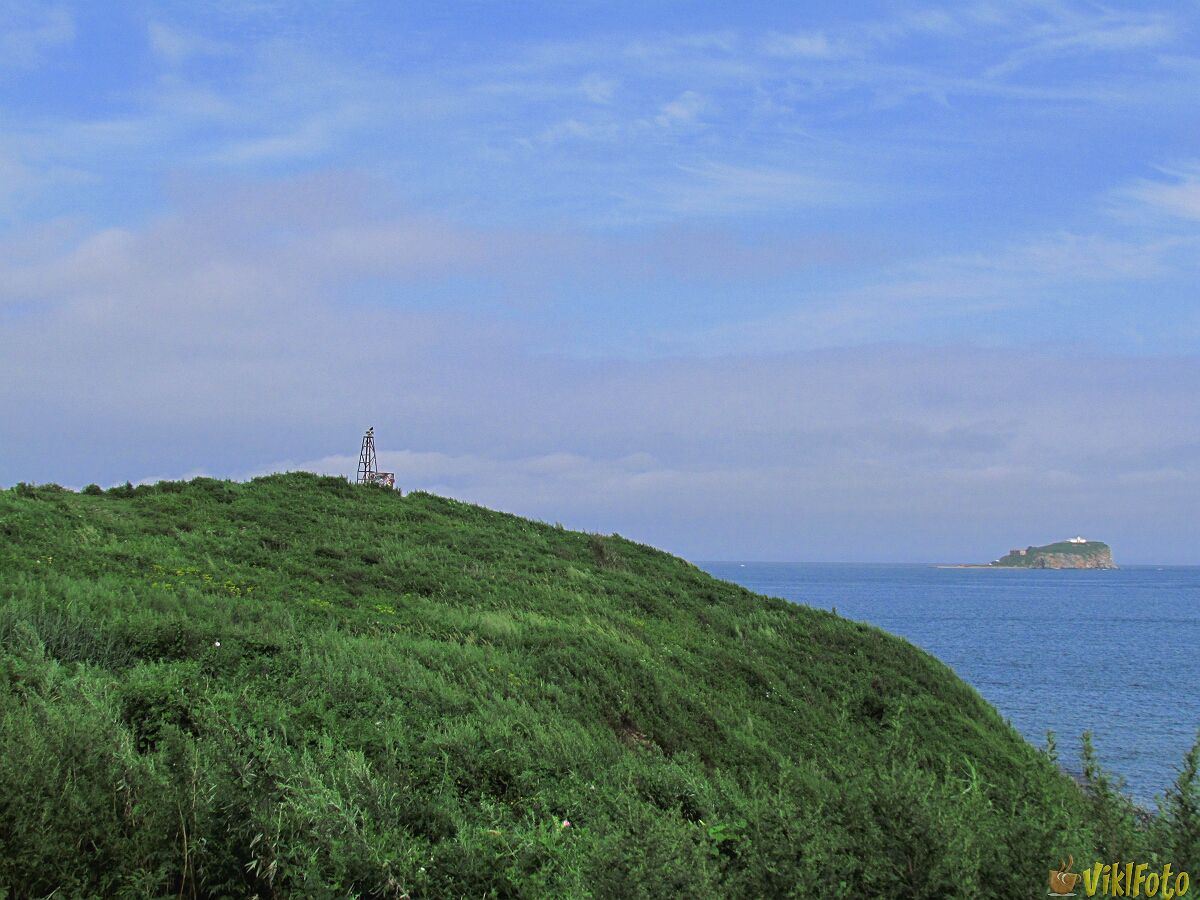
(299, 687)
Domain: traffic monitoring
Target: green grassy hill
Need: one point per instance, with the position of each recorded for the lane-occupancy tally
(300, 687)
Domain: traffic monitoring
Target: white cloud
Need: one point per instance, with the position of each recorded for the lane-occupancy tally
(291, 103)
(722, 189)
(308, 139)
(804, 45)
(1052, 280)
(175, 45)
(666, 46)
(598, 89)
(1177, 196)
(574, 129)
(1066, 257)
(1080, 36)
(26, 39)
(685, 109)
(21, 182)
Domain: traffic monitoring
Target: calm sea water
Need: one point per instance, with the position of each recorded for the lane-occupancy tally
(1117, 652)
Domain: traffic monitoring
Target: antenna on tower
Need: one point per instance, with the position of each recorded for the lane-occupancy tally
(368, 471)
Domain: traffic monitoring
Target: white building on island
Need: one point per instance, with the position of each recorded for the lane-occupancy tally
(1077, 540)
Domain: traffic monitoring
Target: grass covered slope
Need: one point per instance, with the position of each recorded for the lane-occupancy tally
(410, 695)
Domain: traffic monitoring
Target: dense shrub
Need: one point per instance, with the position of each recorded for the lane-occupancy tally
(302, 687)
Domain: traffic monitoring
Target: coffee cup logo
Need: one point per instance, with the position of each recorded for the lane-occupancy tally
(1063, 880)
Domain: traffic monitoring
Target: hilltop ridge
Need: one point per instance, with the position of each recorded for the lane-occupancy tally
(298, 686)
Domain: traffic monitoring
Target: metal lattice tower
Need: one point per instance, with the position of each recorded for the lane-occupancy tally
(366, 458)
(368, 468)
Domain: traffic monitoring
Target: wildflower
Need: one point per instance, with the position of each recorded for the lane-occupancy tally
(216, 643)
(566, 823)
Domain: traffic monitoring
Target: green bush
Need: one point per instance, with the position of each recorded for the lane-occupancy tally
(1177, 829)
(302, 687)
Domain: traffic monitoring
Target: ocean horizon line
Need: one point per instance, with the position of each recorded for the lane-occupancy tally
(931, 564)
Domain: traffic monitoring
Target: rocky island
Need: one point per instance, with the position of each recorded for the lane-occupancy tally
(1076, 553)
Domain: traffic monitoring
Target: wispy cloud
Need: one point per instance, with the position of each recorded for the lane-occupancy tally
(20, 182)
(722, 43)
(575, 129)
(804, 45)
(709, 189)
(175, 45)
(1044, 289)
(307, 140)
(599, 89)
(1081, 35)
(27, 37)
(287, 102)
(684, 110)
(1176, 195)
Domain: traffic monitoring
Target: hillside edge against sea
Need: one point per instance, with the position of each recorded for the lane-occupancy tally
(297, 686)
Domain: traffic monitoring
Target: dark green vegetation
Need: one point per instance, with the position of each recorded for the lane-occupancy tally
(1060, 555)
(410, 695)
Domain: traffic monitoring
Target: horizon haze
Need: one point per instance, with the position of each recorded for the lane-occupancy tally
(896, 284)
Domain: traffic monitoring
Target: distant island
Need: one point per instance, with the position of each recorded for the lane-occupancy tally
(1075, 553)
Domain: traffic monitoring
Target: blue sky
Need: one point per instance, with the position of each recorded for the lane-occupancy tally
(819, 281)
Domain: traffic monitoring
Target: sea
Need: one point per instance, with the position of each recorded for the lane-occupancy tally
(1116, 652)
